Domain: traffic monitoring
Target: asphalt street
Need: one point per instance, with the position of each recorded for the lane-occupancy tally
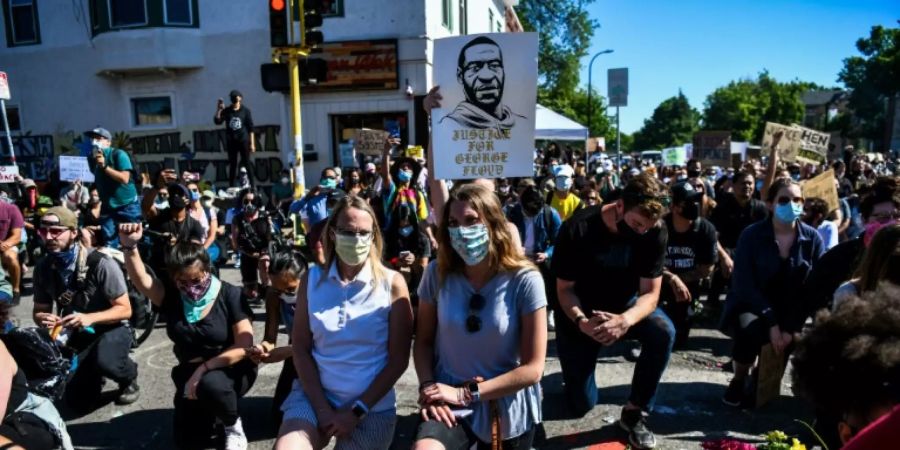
(688, 409)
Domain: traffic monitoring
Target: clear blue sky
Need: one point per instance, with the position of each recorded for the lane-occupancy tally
(698, 46)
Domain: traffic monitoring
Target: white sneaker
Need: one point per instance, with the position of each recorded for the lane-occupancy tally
(235, 438)
(551, 322)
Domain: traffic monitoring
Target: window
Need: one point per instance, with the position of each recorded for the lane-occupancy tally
(178, 12)
(151, 111)
(21, 22)
(127, 13)
(332, 8)
(447, 13)
(463, 17)
(499, 27)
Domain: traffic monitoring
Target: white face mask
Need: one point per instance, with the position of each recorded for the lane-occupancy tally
(285, 180)
(206, 203)
(99, 143)
(289, 299)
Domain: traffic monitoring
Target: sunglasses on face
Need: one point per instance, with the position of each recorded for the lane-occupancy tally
(786, 200)
(886, 217)
(280, 292)
(473, 322)
(52, 230)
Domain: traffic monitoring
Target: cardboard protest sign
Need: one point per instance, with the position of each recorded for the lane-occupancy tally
(813, 145)
(797, 143)
(8, 174)
(485, 126)
(674, 156)
(369, 142)
(823, 186)
(788, 144)
(713, 148)
(73, 168)
(771, 371)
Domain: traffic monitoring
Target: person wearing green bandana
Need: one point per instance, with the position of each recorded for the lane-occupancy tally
(211, 330)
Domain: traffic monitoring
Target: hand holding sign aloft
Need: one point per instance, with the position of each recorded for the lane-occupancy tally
(432, 100)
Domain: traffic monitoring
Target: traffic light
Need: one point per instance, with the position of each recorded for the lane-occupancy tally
(278, 23)
(312, 21)
(276, 78)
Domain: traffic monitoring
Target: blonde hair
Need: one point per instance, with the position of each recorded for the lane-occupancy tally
(502, 254)
(374, 258)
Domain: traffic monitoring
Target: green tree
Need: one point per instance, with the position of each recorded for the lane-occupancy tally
(874, 83)
(673, 123)
(564, 33)
(744, 106)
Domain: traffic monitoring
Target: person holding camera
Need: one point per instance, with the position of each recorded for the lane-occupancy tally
(91, 303)
(113, 172)
(251, 233)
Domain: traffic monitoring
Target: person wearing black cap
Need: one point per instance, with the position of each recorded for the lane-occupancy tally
(691, 255)
(113, 170)
(176, 225)
(239, 137)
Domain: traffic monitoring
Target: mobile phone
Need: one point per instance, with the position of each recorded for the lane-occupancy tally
(405, 253)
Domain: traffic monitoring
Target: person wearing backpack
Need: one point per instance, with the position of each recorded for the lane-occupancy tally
(538, 225)
(116, 181)
(88, 292)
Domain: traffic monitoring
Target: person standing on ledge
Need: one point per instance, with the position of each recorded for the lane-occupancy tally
(239, 136)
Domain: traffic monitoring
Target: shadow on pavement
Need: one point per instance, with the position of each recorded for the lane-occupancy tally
(148, 428)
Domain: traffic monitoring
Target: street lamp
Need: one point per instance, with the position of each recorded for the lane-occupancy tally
(590, 104)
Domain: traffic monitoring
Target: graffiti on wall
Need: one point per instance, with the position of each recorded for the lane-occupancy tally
(34, 155)
(206, 154)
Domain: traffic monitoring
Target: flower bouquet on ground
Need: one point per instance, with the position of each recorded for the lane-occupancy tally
(774, 440)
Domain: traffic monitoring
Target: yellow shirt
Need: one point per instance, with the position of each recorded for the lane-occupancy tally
(566, 206)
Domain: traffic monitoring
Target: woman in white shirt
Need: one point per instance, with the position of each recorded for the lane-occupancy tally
(351, 340)
(880, 263)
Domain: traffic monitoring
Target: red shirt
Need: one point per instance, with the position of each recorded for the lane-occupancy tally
(883, 433)
(10, 219)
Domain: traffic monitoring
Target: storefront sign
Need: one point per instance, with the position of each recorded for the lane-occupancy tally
(485, 126)
(358, 65)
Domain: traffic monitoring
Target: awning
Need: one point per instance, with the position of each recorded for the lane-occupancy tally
(550, 125)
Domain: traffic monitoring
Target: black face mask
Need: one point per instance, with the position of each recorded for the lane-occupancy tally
(177, 203)
(626, 231)
(531, 209)
(693, 173)
(690, 210)
(234, 99)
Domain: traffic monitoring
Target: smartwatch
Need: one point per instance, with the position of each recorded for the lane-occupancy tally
(473, 392)
(360, 410)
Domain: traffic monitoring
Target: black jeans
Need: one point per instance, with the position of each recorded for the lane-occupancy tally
(751, 333)
(235, 149)
(217, 398)
(578, 358)
(28, 431)
(282, 389)
(107, 356)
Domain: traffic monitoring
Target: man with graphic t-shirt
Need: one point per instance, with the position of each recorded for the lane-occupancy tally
(239, 137)
(608, 262)
(691, 255)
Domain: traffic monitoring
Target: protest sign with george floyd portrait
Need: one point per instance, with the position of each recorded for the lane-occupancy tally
(485, 127)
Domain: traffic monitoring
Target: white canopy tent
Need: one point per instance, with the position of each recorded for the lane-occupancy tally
(552, 126)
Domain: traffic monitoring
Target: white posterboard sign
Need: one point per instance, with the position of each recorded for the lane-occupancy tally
(4, 86)
(674, 156)
(485, 126)
(73, 168)
(8, 173)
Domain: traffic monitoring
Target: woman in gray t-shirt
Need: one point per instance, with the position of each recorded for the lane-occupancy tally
(481, 337)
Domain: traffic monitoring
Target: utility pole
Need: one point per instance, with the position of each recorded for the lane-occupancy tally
(618, 142)
(590, 104)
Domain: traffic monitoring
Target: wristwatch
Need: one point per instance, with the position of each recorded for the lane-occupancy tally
(580, 318)
(360, 410)
(473, 392)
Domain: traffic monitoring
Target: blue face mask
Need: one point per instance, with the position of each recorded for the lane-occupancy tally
(471, 243)
(195, 196)
(404, 176)
(789, 212)
(759, 185)
(406, 231)
(64, 258)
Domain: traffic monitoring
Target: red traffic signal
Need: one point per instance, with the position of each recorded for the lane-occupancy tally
(276, 5)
